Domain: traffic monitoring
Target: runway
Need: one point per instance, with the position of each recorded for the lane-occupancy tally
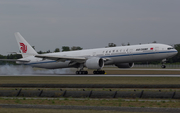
(63, 75)
(110, 71)
(145, 69)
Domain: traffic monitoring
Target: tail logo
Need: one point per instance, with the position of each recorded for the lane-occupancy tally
(23, 47)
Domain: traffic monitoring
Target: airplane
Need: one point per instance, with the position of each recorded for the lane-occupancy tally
(96, 59)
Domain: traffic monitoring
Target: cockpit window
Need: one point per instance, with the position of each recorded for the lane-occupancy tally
(170, 48)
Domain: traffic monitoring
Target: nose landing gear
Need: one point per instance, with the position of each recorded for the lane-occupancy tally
(163, 66)
(163, 63)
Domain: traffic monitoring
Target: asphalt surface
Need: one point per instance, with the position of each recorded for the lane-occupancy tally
(64, 75)
(143, 69)
(69, 73)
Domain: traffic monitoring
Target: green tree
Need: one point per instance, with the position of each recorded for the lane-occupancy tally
(57, 50)
(76, 48)
(48, 51)
(111, 45)
(65, 48)
(3, 62)
(33, 47)
(40, 52)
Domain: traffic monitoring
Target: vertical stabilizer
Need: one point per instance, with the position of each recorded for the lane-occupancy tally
(24, 46)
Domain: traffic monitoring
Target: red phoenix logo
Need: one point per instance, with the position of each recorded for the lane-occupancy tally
(23, 47)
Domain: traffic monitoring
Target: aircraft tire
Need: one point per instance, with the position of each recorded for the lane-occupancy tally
(98, 72)
(94, 72)
(77, 72)
(163, 66)
(103, 72)
(81, 72)
(86, 72)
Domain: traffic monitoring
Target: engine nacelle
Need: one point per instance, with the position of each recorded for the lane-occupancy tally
(94, 63)
(125, 65)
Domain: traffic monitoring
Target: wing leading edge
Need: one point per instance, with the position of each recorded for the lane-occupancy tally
(62, 58)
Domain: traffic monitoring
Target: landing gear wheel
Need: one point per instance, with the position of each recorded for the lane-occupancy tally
(98, 72)
(163, 63)
(103, 72)
(77, 72)
(163, 66)
(94, 72)
(86, 72)
(81, 72)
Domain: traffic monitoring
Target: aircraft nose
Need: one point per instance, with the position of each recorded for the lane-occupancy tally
(176, 51)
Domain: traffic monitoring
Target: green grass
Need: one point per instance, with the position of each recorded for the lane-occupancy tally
(94, 102)
(30, 110)
(88, 80)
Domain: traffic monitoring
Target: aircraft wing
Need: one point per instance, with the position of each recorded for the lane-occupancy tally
(14, 60)
(63, 58)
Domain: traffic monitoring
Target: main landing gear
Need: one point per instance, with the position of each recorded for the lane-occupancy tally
(81, 72)
(163, 63)
(99, 72)
(86, 72)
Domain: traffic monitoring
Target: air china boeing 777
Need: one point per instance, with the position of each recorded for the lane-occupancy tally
(122, 56)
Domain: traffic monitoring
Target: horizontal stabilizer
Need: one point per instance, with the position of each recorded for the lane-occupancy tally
(30, 54)
(14, 60)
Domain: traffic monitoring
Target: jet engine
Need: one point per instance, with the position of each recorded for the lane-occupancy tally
(94, 63)
(125, 65)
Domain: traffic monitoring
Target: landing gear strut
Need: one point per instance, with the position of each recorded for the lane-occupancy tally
(163, 63)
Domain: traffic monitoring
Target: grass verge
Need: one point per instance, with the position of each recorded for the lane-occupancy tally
(29, 110)
(87, 80)
(94, 102)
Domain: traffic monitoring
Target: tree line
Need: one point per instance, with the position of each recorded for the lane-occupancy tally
(175, 59)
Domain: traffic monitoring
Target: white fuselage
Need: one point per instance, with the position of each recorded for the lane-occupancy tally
(112, 55)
